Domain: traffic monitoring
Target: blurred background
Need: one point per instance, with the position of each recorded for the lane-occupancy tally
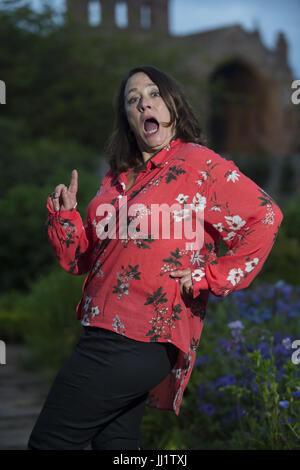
(62, 62)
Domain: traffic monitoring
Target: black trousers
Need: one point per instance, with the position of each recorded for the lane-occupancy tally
(99, 394)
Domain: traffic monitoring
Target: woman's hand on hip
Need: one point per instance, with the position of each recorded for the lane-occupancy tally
(186, 280)
(64, 198)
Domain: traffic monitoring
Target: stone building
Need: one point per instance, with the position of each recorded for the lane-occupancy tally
(247, 104)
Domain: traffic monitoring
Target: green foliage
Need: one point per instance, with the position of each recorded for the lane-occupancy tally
(283, 259)
(30, 171)
(63, 84)
(267, 425)
(24, 248)
(291, 221)
(244, 391)
(52, 328)
(12, 319)
(42, 161)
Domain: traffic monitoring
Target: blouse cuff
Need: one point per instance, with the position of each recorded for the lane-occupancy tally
(68, 214)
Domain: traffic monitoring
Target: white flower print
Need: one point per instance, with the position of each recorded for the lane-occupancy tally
(235, 276)
(250, 265)
(216, 209)
(196, 258)
(235, 222)
(87, 302)
(269, 219)
(230, 236)
(233, 176)
(181, 198)
(177, 373)
(199, 202)
(85, 320)
(181, 214)
(204, 175)
(219, 227)
(118, 325)
(94, 311)
(198, 274)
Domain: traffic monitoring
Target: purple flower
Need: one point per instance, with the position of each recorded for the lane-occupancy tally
(224, 421)
(266, 315)
(279, 349)
(287, 342)
(290, 420)
(296, 395)
(200, 390)
(264, 350)
(207, 408)
(251, 311)
(284, 404)
(201, 360)
(225, 381)
(236, 325)
(256, 299)
(235, 412)
(225, 344)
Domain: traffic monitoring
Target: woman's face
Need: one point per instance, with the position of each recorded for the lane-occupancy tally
(146, 112)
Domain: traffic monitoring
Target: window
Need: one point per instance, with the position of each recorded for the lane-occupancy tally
(145, 16)
(94, 13)
(121, 15)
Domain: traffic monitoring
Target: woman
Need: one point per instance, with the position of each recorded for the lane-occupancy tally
(145, 295)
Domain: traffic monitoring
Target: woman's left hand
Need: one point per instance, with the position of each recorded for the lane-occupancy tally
(186, 280)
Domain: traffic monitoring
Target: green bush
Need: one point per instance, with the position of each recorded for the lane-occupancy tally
(13, 320)
(52, 328)
(283, 260)
(291, 221)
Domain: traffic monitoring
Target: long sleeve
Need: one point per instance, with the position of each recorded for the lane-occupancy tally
(243, 215)
(70, 239)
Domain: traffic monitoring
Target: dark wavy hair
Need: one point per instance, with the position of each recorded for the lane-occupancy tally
(122, 151)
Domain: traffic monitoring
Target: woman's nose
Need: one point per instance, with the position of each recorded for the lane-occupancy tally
(144, 103)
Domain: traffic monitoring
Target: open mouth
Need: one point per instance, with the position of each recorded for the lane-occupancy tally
(151, 126)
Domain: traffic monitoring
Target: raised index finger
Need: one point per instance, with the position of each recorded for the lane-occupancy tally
(74, 182)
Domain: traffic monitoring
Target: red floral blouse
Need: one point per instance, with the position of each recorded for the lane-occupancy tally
(128, 288)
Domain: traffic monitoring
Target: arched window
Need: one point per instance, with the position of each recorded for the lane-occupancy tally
(121, 14)
(94, 13)
(145, 16)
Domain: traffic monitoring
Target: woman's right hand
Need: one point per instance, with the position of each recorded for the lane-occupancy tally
(64, 198)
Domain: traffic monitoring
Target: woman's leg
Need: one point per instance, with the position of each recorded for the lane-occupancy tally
(99, 394)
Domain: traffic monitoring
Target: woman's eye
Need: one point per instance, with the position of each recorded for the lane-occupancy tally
(132, 100)
(155, 93)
